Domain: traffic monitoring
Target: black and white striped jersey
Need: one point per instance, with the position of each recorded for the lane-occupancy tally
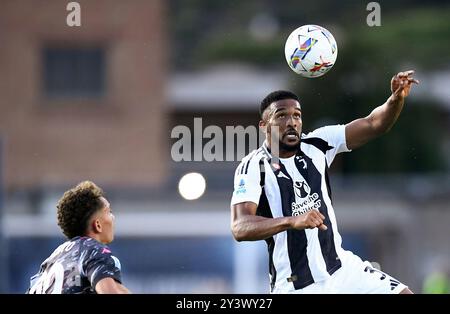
(293, 186)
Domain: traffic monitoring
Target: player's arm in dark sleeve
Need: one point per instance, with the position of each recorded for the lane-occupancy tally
(246, 226)
(103, 271)
(382, 118)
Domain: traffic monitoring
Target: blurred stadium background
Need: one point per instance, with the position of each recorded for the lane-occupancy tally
(99, 102)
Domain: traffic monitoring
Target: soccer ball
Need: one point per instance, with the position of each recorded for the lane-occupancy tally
(310, 51)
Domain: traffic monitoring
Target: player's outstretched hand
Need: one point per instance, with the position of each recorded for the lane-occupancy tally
(309, 220)
(401, 84)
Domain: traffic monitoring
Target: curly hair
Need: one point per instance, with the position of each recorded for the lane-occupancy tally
(276, 96)
(76, 207)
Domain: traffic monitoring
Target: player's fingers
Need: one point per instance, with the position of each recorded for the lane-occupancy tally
(323, 227)
(399, 88)
(317, 214)
(317, 222)
(406, 73)
(394, 80)
(411, 80)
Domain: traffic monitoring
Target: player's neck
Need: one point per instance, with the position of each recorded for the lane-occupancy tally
(94, 236)
(282, 153)
(286, 154)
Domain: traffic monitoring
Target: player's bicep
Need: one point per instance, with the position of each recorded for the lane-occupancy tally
(243, 209)
(109, 285)
(240, 213)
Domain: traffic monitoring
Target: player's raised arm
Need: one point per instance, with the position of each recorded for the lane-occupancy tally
(246, 226)
(382, 118)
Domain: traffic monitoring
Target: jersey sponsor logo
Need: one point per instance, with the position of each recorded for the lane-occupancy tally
(301, 189)
(305, 201)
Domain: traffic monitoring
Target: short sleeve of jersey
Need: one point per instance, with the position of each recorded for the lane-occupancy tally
(101, 264)
(247, 179)
(334, 135)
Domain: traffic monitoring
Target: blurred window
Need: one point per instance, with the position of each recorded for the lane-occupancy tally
(74, 72)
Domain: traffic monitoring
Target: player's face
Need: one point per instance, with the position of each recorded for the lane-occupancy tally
(285, 124)
(106, 219)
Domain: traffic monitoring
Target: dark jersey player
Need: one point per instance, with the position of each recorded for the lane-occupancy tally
(84, 264)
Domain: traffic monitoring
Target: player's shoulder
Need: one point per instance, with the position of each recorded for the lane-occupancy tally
(63, 249)
(325, 132)
(93, 246)
(253, 157)
(92, 251)
(251, 161)
(323, 138)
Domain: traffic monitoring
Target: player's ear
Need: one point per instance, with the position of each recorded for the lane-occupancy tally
(96, 225)
(263, 126)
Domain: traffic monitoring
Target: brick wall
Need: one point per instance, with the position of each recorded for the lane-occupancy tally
(119, 139)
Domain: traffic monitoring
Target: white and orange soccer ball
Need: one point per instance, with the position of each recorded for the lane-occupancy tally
(310, 50)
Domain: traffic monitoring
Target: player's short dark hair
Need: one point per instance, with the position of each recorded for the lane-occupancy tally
(276, 96)
(76, 207)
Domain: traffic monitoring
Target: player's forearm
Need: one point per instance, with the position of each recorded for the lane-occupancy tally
(384, 117)
(252, 228)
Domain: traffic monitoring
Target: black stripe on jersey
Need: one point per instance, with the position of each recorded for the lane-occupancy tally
(327, 181)
(264, 211)
(296, 239)
(244, 169)
(242, 166)
(262, 172)
(266, 151)
(318, 143)
(273, 272)
(326, 237)
(323, 146)
(238, 169)
(394, 283)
